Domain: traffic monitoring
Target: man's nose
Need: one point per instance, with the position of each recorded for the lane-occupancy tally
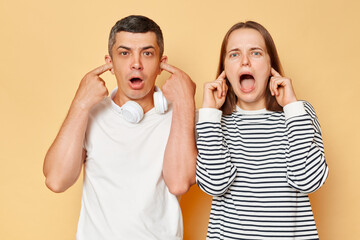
(136, 63)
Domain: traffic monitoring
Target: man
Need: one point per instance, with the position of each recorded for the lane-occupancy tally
(133, 171)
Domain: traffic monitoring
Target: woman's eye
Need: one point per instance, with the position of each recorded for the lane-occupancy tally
(234, 55)
(256, 53)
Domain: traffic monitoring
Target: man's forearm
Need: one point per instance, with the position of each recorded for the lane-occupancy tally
(64, 159)
(63, 162)
(180, 154)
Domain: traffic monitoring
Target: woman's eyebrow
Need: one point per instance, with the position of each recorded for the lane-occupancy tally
(234, 50)
(256, 48)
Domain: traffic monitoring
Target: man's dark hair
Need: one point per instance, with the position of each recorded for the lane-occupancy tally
(136, 24)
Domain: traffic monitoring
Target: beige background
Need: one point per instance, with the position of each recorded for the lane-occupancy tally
(47, 46)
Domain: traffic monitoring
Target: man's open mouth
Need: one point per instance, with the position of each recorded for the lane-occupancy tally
(135, 80)
(136, 83)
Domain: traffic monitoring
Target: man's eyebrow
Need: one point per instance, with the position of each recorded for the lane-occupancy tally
(121, 46)
(143, 48)
(148, 47)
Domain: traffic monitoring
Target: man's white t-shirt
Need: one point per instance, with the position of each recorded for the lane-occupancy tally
(124, 193)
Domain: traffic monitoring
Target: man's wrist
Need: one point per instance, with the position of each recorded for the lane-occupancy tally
(80, 105)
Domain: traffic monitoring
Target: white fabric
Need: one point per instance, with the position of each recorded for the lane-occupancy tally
(214, 115)
(294, 109)
(253, 112)
(209, 115)
(124, 193)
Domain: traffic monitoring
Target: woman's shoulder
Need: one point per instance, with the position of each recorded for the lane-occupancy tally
(309, 108)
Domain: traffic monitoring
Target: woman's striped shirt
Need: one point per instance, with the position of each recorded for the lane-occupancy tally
(259, 166)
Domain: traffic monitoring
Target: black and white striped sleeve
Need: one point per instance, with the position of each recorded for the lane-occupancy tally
(214, 170)
(306, 166)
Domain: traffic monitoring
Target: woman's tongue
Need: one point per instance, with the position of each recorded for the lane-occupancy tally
(247, 83)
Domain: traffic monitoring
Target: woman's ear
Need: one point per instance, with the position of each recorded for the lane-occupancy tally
(108, 60)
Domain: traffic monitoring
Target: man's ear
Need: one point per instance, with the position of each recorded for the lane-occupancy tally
(108, 60)
(164, 59)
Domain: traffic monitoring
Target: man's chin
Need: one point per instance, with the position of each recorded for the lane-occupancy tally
(136, 95)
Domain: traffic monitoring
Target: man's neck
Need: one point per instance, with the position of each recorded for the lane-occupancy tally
(146, 103)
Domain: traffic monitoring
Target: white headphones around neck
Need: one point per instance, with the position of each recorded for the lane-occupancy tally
(133, 112)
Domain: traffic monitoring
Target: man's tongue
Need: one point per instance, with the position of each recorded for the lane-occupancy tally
(247, 83)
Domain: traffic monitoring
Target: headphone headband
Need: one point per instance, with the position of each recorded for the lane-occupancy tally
(133, 112)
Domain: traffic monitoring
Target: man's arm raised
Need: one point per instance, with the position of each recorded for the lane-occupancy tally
(180, 154)
(64, 159)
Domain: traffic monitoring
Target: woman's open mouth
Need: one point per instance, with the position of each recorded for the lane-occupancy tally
(247, 82)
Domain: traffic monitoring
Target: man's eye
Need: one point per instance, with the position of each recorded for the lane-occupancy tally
(124, 53)
(148, 53)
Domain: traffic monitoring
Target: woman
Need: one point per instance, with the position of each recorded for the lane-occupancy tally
(260, 149)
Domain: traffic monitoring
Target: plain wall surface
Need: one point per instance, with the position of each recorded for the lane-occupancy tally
(48, 46)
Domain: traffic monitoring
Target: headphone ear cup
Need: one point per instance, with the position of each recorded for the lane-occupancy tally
(160, 102)
(132, 112)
